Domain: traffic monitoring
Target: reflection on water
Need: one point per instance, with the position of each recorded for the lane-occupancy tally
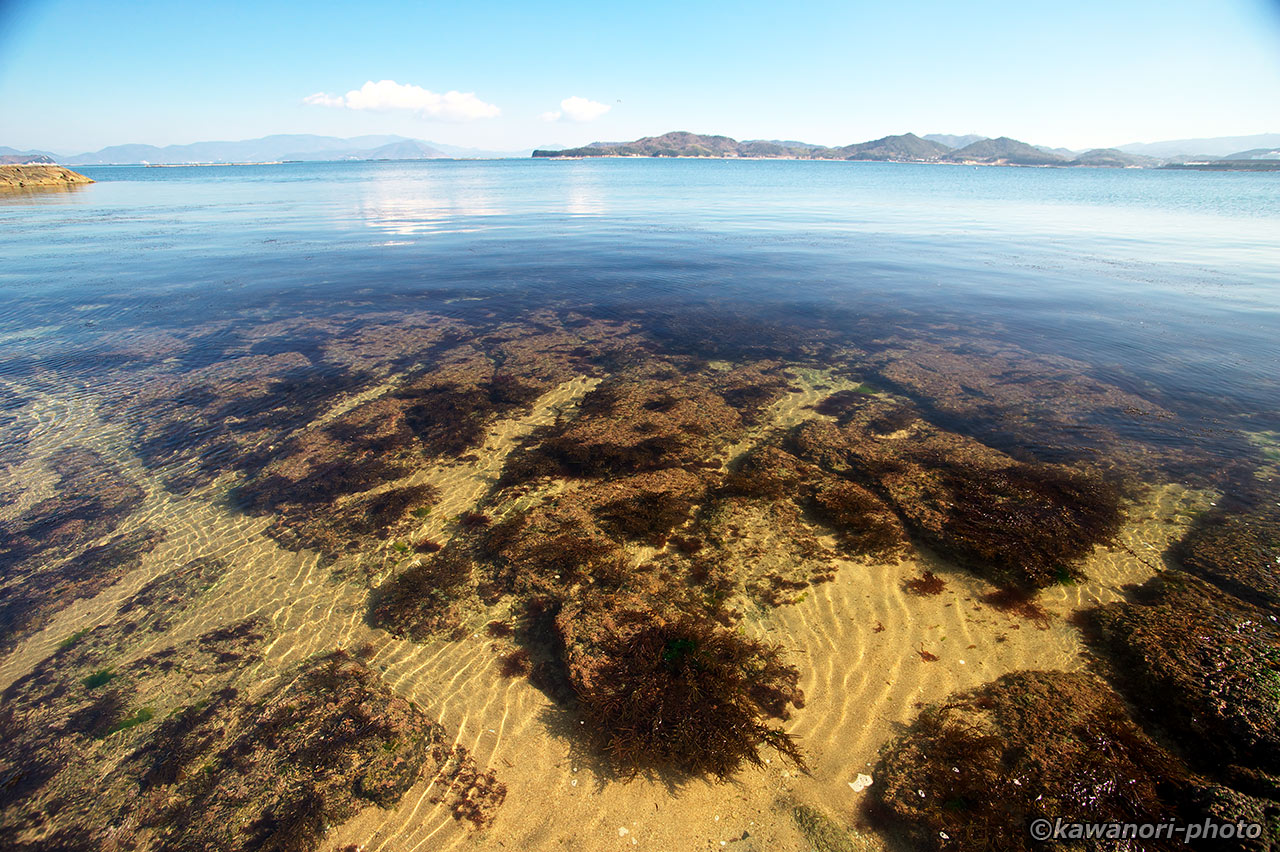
(430, 202)
(586, 195)
(598, 483)
(18, 195)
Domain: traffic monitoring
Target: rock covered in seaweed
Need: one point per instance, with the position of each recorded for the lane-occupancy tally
(1201, 664)
(93, 496)
(219, 770)
(649, 417)
(864, 524)
(1016, 523)
(1238, 550)
(332, 741)
(976, 770)
(672, 691)
(92, 499)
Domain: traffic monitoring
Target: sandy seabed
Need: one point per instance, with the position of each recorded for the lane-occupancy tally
(869, 652)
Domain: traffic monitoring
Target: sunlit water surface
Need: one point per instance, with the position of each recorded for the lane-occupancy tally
(268, 300)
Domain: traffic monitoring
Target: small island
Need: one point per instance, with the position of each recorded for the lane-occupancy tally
(35, 176)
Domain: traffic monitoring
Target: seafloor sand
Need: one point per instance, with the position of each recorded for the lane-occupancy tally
(870, 654)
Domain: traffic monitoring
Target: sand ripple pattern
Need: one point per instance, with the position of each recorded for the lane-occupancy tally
(857, 641)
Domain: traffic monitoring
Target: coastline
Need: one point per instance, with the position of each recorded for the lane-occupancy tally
(834, 160)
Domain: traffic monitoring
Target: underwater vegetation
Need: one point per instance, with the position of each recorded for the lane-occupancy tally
(352, 525)
(865, 525)
(1015, 523)
(821, 831)
(629, 552)
(470, 793)
(246, 402)
(974, 771)
(639, 647)
(67, 736)
(451, 419)
(926, 585)
(619, 564)
(1047, 407)
(632, 422)
(423, 599)
(1238, 550)
(91, 498)
(679, 694)
(331, 742)
(38, 590)
(213, 769)
(1201, 665)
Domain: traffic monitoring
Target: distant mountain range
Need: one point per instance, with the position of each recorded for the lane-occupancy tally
(1221, 147)
(267, 149)
(907, 147)
(1256, 154)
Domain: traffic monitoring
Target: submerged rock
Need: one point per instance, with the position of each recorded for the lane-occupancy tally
(1201, 664)
(975, 771)
(205, 766)
(864, 524)
(670, 691)
(1238, 550)
(1016, 523)
(632, 424)
(93, 498)
(307, 758)
(425, 598)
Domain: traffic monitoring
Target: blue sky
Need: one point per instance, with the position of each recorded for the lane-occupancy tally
(76, 76)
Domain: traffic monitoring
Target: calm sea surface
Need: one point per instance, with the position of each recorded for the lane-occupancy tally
(1172, 277)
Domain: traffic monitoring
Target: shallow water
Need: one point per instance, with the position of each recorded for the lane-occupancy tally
(220, 341)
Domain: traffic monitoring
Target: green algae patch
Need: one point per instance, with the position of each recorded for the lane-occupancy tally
(71, 640)
(821, 832)
(99, 678)
(142, 715)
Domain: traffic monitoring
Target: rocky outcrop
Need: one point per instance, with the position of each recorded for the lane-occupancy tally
(33, 176)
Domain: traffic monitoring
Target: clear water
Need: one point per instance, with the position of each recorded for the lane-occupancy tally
(1171, 276)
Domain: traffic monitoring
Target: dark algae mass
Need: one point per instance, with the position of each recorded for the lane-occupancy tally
(974, 771)
(791, 512)
(1201, 664)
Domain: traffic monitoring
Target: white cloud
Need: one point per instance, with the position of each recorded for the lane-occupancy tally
(321, 99)
(390, 96)
(576, 109)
